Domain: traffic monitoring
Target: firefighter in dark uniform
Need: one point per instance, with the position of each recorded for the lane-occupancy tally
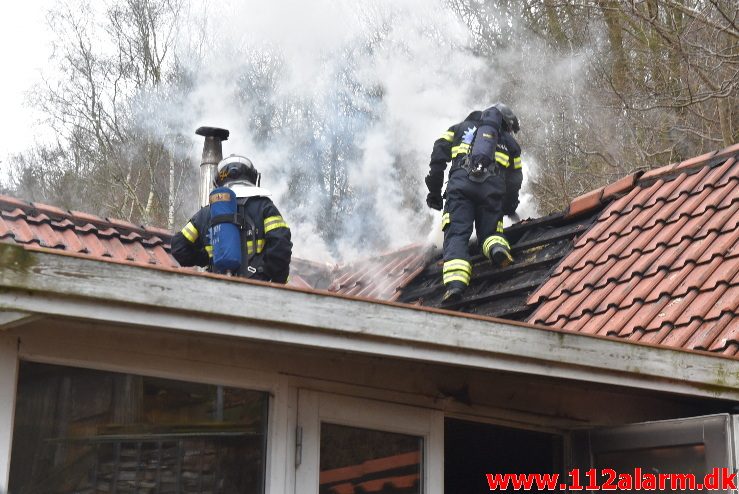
(483, 186)
(267, 245)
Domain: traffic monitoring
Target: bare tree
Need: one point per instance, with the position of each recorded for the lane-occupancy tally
(657, 82)
(113, 61)
(602, 88)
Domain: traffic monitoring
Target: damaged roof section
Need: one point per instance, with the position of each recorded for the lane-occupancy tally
(382, 277)
(537, 246)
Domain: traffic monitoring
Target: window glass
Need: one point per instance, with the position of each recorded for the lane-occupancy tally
(87, 431)
(356, 461)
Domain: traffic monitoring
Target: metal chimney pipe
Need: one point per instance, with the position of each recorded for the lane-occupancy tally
(212, 155)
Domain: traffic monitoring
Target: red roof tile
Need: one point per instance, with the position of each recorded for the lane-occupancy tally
(620, 187)
(660, 264)
(381, 277)
(585, 203)
(51, 227)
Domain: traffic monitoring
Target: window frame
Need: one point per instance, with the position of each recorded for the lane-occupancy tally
(315, 407)
(108, 359)
(715, 432)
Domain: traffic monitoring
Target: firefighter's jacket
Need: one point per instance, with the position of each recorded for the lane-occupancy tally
(267, 252)
(456, 143)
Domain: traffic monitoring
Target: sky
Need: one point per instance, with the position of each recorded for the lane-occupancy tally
(25, 48)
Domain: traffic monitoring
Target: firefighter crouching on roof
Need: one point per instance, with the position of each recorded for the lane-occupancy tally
(483, 186)
(264, 235)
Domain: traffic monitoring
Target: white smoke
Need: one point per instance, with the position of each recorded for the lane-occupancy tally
(420, 59)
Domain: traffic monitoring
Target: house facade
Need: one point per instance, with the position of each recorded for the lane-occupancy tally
(150, 379)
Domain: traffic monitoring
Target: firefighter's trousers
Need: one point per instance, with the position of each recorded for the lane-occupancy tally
(471, 203)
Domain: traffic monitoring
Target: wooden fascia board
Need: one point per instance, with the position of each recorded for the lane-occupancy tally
(52, 284)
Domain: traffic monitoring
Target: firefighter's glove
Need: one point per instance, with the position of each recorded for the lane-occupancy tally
(434, 182)
(434, 201)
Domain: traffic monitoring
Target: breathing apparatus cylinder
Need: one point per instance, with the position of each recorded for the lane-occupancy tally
(486, 138)
(224, 231)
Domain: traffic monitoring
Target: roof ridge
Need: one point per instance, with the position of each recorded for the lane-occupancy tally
(594, 199)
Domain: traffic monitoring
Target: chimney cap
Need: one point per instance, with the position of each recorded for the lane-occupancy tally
(218, 133)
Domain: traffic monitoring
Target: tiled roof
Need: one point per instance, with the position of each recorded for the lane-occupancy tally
(653, 258)
(660, 264)
(81, 233)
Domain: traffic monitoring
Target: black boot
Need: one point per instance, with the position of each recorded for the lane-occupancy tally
(454, 291)
(500, 256)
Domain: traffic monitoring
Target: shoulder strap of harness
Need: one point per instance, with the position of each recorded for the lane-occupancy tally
(248, 227)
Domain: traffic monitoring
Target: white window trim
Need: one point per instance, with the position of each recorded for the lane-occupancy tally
(8, 383)
(315, 407)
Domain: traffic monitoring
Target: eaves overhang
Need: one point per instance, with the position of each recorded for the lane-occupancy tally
(40, 282)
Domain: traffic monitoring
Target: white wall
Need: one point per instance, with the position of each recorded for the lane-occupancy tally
(8, 378)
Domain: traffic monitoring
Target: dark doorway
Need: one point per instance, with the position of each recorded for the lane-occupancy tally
(473, 449)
